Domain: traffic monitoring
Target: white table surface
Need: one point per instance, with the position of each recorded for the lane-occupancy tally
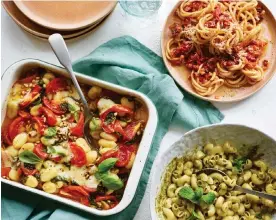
(257, 111)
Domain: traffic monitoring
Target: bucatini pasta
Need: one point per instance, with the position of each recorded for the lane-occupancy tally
(43, 144)
(188, 194)
(220, 41)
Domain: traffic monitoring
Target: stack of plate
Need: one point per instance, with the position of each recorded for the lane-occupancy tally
(71, 19)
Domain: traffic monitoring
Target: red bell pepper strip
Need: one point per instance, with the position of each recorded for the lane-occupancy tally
(76, 193)
(55, 107)
(5, 171)
(40, 151)
(51, 117)
(27, 171)
(15, 126)
(79, 156)
(78, 129)
(55, 85)
(30, 96)
(40, 124)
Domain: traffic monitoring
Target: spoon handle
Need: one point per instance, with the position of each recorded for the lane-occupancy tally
(60, 49)
(256, 193)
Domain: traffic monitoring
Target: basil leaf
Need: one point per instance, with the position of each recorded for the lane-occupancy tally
(29, 157)
(50, 132)
(107, 164)
(209, 198)
(198, 193)
(111, 181)
(187, 193)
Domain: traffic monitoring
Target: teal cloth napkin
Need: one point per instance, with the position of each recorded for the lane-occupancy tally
(126, 62)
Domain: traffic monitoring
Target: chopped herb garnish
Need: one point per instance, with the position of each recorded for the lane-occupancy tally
(238, 163)
(196, 196)
(110, 118)
(194, 216)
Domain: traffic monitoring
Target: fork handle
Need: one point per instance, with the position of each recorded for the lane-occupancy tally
(60, 49)
(256, 193)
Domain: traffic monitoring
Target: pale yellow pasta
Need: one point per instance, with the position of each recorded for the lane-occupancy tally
(228, 204)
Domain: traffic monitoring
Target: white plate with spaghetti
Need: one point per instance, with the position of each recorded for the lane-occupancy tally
(221, 51)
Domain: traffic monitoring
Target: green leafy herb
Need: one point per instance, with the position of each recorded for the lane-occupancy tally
(64, 106)
(196, 196)
(198, 193)
(209, 198)
(95, 124)
(187, 193)
(50, 132)
(76, 116)
(109, 180)
(71, 108)
(238, 163)
(107, 164)
(75, 183)
(258, 215)
(29, 157)
(194, 216)
(37, 101)
(110, 118)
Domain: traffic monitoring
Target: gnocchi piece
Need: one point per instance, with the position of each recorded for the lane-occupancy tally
(12, 109)
(83, 144)
(91, 157)
(107, 144)
(48, 174)
(49, 187)
(34, 111)
(104, 104)
(31, 181)
(12, 151)
(14, 175)
(94, 92)
(20, 140)
(108, 137)
(127, 103)
(27, 146)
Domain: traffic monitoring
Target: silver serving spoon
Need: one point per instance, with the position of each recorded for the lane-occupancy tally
(60, 49)
(239, 188)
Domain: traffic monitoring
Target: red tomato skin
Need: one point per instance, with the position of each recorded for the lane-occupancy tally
(30, 97)
(51, 117)
(104, 198)
(108, 154)
(5, 171)
(56, 159)
(55, 85)
(78, 129)
(24, 114)
(79, 156)
(15, 126)
(53, 106)
(28, 172)
(89, 189)
(28, 79)
(39, 151)
(77, 190)
(5, 137)
(40, 124)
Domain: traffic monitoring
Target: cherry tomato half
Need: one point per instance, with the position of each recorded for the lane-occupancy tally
(40, 151)
(78, 129)
(55, 107)
(55, 85)
(5, 171)
(79, 156)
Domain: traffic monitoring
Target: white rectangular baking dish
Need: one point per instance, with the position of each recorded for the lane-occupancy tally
(12, 74)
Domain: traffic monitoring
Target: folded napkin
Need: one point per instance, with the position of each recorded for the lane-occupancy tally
(126, 62)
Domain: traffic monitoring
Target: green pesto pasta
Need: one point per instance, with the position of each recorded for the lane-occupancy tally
(185, 193)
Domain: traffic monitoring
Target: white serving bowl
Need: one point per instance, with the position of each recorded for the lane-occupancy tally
(13, 73)
(238, 135)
